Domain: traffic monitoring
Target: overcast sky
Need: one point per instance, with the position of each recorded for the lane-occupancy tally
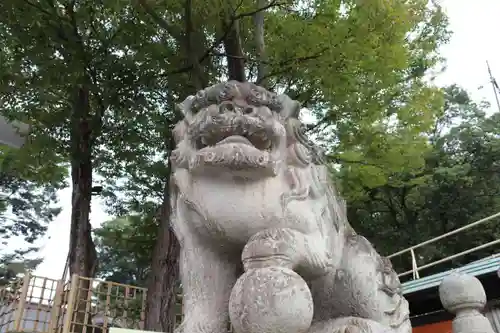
(475, 40)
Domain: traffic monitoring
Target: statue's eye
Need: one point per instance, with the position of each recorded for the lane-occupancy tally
(274, 103)
(255, 97)
(200, 101)
(224, 95)
(227, 92)
(196, 106)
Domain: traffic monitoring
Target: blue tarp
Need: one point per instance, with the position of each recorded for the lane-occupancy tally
(476, 268)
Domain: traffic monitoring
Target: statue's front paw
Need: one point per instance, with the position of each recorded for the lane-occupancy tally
(349, 325)
(202, 325)
(345, 329)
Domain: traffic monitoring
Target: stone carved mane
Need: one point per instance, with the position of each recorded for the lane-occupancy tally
(263, 232)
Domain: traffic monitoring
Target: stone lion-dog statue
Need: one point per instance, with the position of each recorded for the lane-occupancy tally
(265, 241)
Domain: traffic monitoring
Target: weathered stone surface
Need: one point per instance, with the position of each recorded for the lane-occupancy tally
(261, 225)
(464, 296)
(271, 299)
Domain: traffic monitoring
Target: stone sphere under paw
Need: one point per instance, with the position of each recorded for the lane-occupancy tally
(271, 300)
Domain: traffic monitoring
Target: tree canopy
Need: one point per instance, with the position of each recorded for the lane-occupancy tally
(28, 203)
(125, 247)
(458, 185)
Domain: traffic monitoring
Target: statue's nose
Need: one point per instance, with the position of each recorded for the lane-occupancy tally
(231, 107)
(227, 107)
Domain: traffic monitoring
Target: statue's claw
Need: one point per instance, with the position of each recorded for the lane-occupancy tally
(349, 325)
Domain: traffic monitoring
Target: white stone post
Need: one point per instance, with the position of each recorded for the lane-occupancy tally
(464, 296)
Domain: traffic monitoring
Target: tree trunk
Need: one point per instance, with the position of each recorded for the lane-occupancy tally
(82, 258)
(193, 43)
(82, 252)
(260, 45)
(234, 51)
(164, 276)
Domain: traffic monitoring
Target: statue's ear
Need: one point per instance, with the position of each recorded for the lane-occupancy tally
(180, 131)
(290, 107)
(185, 108)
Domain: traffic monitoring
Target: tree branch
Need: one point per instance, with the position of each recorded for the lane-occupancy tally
(320, 123)
(162, 23)
(272, 4)
(233, 18)
(41, 9)
(293, 61)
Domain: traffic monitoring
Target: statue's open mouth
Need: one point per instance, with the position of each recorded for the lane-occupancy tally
(238, 129)
(236, 141)
(235, 135)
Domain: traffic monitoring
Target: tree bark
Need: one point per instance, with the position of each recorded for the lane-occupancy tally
(197, 72)
(260, 45)
(82, 257)
(164, 276)
(82, 252)
(234, 51)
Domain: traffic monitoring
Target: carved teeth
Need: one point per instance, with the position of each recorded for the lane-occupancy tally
(217, 129)
(263, 160)
(209, 157)
(235, 139)
(193, 162)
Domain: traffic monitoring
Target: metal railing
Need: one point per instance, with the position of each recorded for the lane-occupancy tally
(416, 269)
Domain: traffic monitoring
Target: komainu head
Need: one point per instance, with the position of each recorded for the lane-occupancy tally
(240, 129)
